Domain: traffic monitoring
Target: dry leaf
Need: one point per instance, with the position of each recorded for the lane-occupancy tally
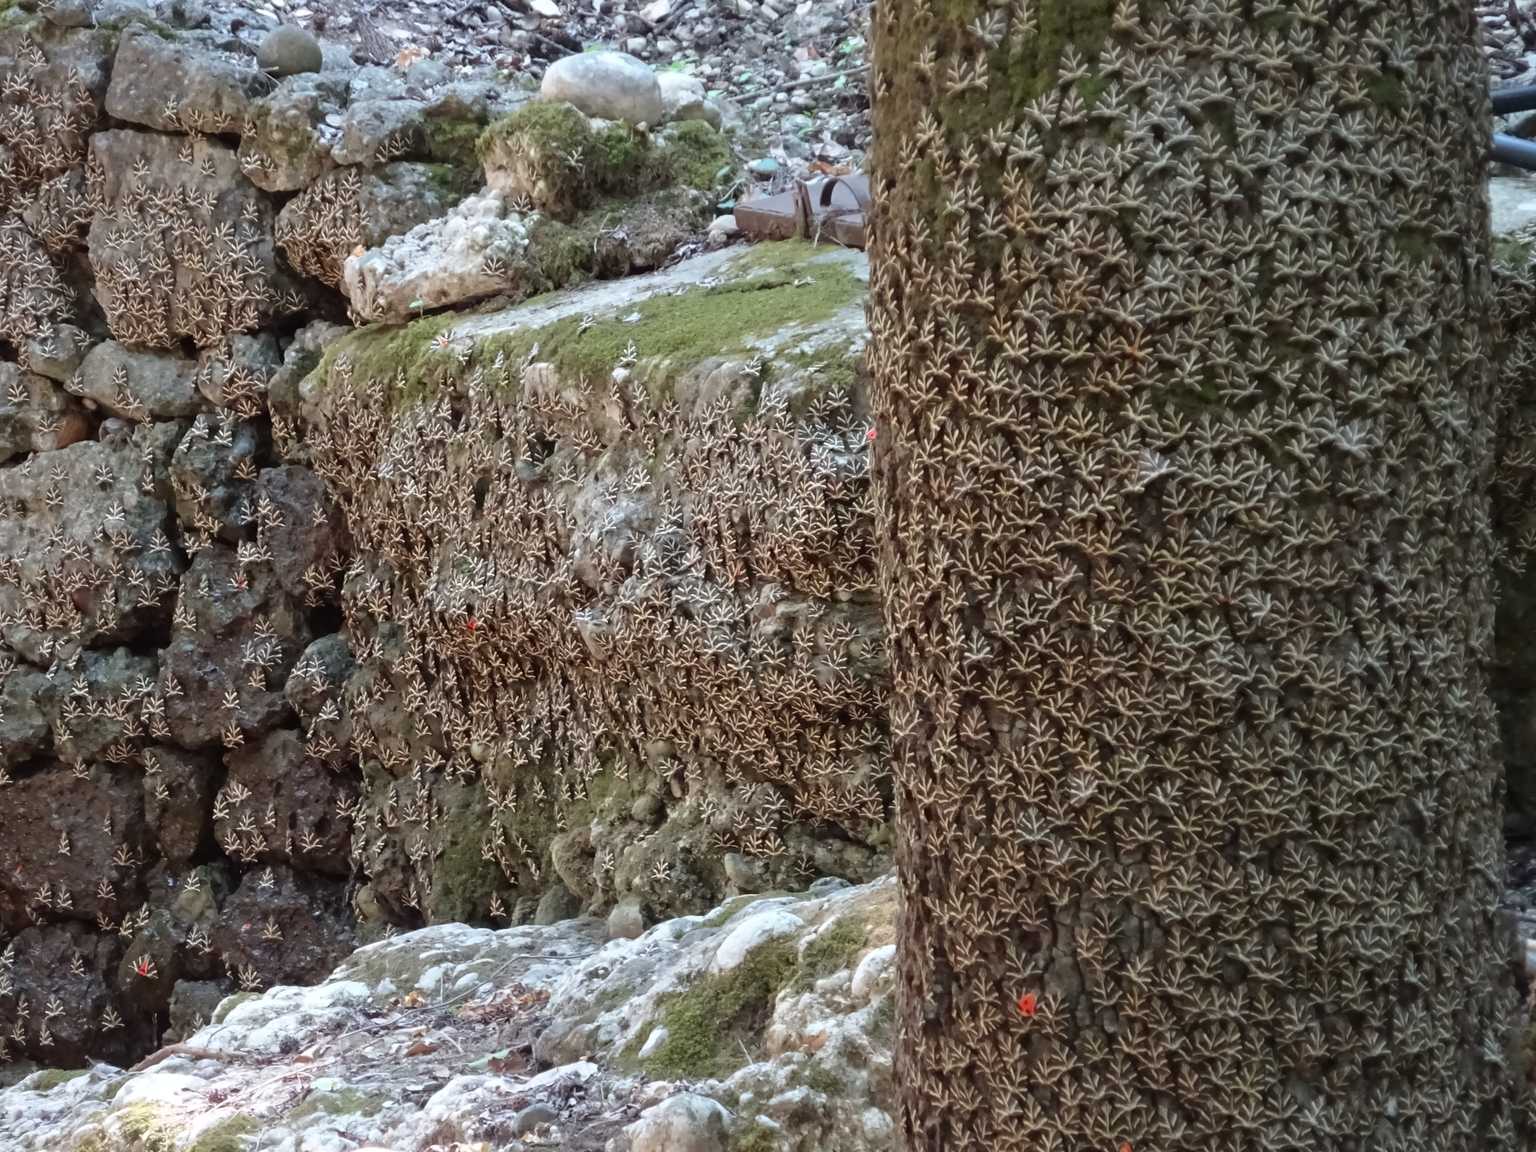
(421, 1048)
(408, 56)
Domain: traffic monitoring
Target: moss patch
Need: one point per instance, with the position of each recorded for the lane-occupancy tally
(230, 1003)
(755, 1138)
(49, 1080)
(834, 949)
(153, 1132)
(882, 1020)
(226, 1136)
(341, 1102)
(1415, 243)
(692, 326)
(713, 1025)
(455, 143)
(463, 881)
(623, 160)
(1386, 91)
(696, 155)
(1513, 253)
(393, 353)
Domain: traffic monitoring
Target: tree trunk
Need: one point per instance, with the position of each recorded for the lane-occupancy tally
(1184, 417)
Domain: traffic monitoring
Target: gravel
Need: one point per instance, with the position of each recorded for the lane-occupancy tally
(790, 77)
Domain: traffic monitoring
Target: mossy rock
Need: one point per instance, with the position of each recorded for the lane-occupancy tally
(712, 1026)
(51, 1078)
(230, 1003)
(551, 156)
(338, 1102)
(696, 156)
(698, 325)
(463, 881)
(834, 949)
(541, 154)
(153, 1131)
(452, 145)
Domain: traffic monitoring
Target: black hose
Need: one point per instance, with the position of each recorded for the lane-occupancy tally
(1513, 150)
(1507, 100)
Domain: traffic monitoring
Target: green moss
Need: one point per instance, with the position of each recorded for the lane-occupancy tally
(341, 1102)
(819, 1078)
(882, 1021)
(834, 949)
(721, 915)
(49, 1080)
(711, 1026)
(551, 125)
(144, 1124)
(1085, 24)
(696, 154)
(611, 998)
(230, 1003)
(463, 881)
(454, 142)
(692, 326)
(791, 287)
(451, 181)
(754, 1138)
(561, 253)
(394, 351)
(226, 1136)
(139, 19)
(623, 160)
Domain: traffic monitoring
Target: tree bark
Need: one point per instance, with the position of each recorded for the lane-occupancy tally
(1184, 414)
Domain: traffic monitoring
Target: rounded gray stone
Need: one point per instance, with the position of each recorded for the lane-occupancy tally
(746, 874)
(610, 85)
(288, 51)
(533, 1117)
(627, 920)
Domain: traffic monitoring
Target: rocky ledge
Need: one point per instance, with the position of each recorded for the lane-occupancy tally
(766, 1024)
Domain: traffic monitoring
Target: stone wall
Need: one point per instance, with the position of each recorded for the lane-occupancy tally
(207, 780)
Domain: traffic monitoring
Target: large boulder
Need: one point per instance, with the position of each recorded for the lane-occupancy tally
(289, 133)
(138, 385)
(323, 226)
(182, 246)
(612, 85)
(475, 251)
(181, 84)
(36, 415)
(85, 552)
(683, 99)
(59, 833)
(627, 600)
